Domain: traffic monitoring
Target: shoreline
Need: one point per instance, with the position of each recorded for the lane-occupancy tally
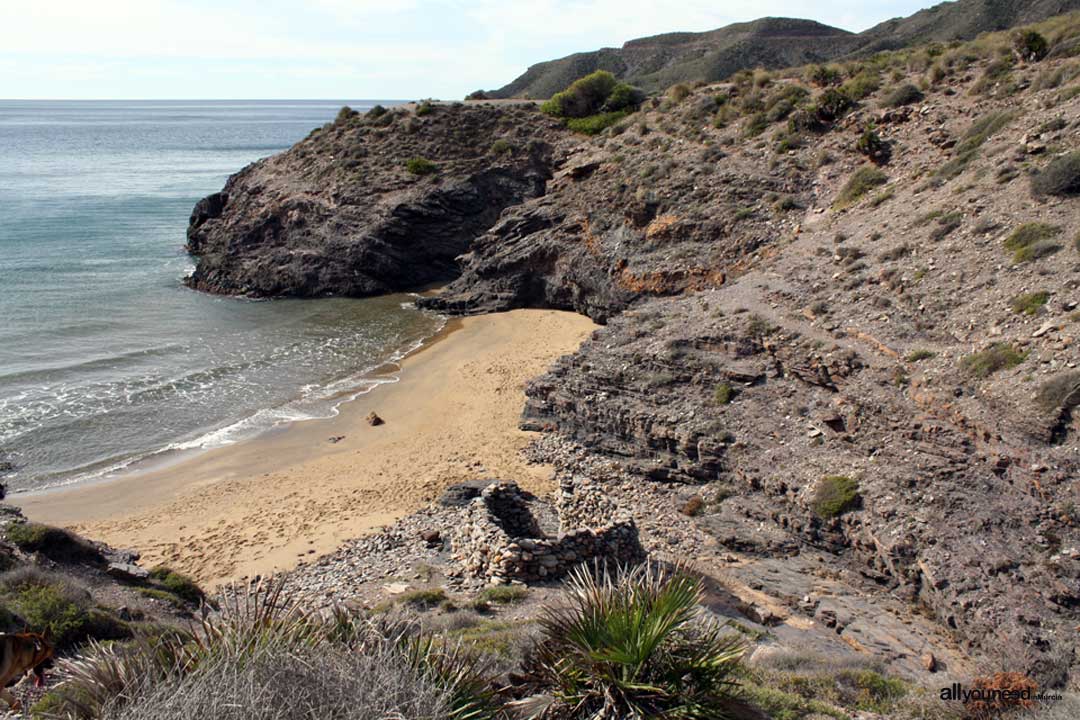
(298, 491)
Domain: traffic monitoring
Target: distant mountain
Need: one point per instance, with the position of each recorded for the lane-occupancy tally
(656, 62)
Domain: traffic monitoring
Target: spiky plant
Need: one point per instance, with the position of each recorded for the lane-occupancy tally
(264, 656)
(633, 643)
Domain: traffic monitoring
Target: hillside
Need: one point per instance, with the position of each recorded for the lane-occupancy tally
(655, 63)
(838, 367)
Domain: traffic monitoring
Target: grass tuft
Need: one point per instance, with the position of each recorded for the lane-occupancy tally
(999, 356)
(863, 181)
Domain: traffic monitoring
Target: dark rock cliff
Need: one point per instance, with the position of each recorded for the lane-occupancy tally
(340, 213)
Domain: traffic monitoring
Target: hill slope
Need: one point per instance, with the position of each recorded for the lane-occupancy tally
(654, 63)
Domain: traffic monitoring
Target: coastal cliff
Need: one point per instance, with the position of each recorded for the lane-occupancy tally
(345, 213)
(851, 328)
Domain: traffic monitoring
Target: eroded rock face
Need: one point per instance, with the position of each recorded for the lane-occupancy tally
(340, 213)
(951, 518)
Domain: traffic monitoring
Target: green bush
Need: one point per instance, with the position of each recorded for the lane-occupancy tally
(424, 108)
(421, 166)
(861, 182)
(595, 124)
(501, 147)
(835, 495)
(823, 75)
(584, 97)
(59, 615)
(180, 585)
(623, 97)
(724, 394)
(755, 125)
(999, 356)
(1029, 45)
(1032, 241)
(634, 643)
(1060, 177)
(906, 94)
(917, 355)
(833, 104)
(1028, 303)
(862, 85)
(54, 543)
(872, 146)
(377, 112)
(345, 114)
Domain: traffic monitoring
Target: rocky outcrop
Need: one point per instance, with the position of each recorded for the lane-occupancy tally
(342, 213)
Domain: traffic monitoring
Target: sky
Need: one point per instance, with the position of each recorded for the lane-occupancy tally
(341, 49)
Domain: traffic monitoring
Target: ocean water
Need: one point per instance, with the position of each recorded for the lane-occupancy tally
(105, 357)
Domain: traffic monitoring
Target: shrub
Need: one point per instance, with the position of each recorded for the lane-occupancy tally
(1060, 177)
(585, 96)
(835, 495)
(999, 356)
(1029, 45)
(945, 225)
(724, 394)
(693, 506)
(425, 107)
(501, 147)
(833, 104)
(1032, 241)
(54, 611)
(264, 657)
(421, 166)
(345, 114)
(505, 594)
(1060, 391)
(180, 585)
(872, 146)
(633, 643)
(755, 125)
(54, 543)
(1028, 303)
(862, 85)
(595, 124)
(823, 75)
(377, 112)
(917, 355)
(623, 97)
(996, 72)
(904, 95)
(863, 181)
(679, 92)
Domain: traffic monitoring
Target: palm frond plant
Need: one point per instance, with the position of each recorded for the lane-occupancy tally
(634, 643)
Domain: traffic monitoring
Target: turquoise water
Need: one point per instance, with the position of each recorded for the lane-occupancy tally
(105, 357)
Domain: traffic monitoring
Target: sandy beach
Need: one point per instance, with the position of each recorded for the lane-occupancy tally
(292, 494)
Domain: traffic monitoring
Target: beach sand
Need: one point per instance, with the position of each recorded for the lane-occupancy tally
(291, 494)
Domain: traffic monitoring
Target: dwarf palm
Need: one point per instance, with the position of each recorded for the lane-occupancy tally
(634, 644)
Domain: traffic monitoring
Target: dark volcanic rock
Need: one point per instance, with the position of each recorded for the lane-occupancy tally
(341, 214)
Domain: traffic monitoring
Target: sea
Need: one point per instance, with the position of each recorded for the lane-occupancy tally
(106, 359)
